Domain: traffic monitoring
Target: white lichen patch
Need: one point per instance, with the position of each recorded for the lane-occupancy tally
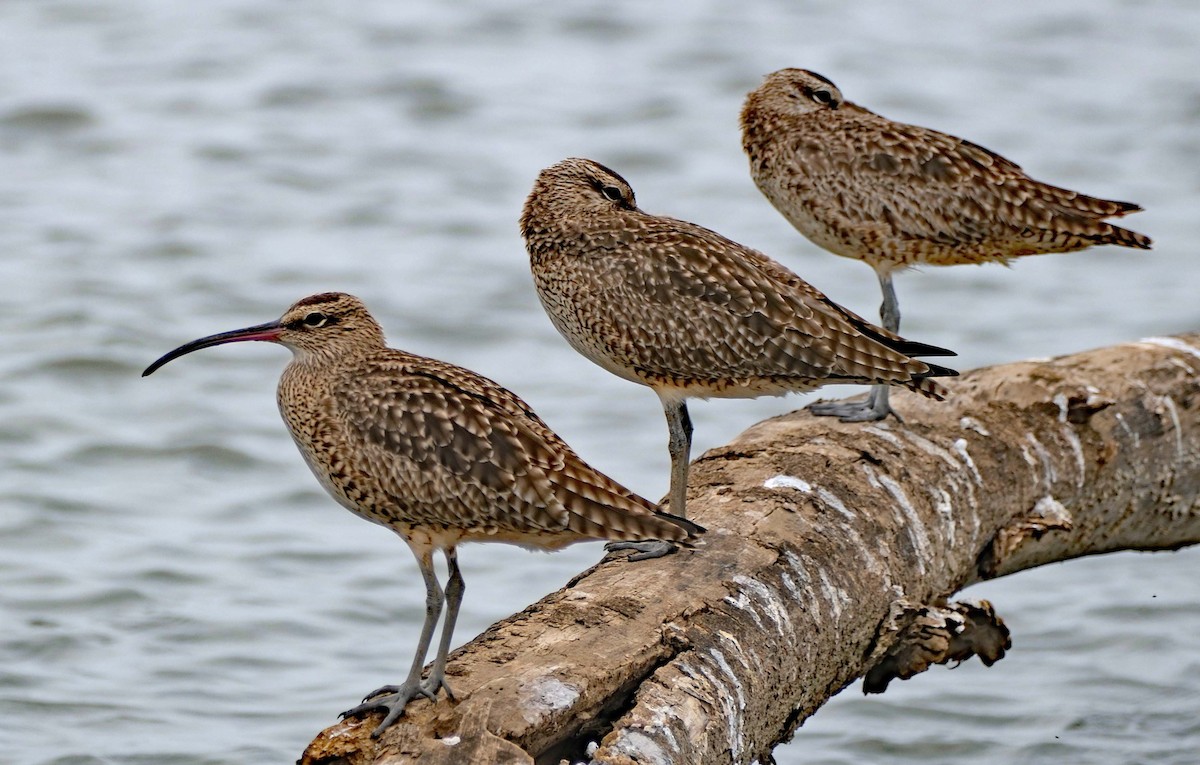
(452, 740)
(960, 448)
(1137, 440)
(1168, 404)
(719, 658)
(1060, 400)
(835, 596)
(906, 513)
(1049, 474)
(1052, 512)
(787, 482)
(768, 600)
(727, 692)
(741, 601)
(1069, 434)
(833, 502)
(735, 646)
(797, 567)
(798, 586)
(945, 508)
(815, 591)
(758, 599)
(830, 594)
(638, 746)
(660, 722)
(545, 696)
(933, 450)
(884, 434)
(1076, 445)
(791, 586)
(847, 529)
(734, 683)
(1096, 401)
(825, 497)
(970, 423)
(1036, 471)
(1173, 343)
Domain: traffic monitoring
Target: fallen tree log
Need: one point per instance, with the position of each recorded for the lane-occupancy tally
(830, 553)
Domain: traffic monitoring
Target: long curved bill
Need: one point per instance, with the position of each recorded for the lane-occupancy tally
(268, 331)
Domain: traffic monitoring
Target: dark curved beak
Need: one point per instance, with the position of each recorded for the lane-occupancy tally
(269, 331)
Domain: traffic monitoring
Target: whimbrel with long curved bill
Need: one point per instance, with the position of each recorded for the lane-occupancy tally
(436, 453)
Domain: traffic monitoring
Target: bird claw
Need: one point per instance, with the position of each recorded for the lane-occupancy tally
(380, 691)
(394, 699)
(655, 548)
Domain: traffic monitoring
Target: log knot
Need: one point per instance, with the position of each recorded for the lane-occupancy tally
(938, 634)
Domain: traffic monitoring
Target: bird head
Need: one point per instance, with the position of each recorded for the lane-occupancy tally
(575, 190)
(327, 325)
(794, 91)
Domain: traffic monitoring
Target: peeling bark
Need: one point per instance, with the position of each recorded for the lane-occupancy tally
(830, 553)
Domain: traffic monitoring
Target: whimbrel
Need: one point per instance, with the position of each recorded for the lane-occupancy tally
(436, 453)
(896, 195)
(689, 313)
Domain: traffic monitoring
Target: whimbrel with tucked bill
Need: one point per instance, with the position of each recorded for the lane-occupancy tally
(436, 453)
(689, 313)
(895, 195)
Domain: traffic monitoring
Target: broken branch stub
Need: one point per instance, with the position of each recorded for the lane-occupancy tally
(831, 551)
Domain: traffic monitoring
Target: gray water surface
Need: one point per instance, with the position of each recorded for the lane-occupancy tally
(176, 588)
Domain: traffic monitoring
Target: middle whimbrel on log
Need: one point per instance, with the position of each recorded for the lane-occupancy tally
(689, 313)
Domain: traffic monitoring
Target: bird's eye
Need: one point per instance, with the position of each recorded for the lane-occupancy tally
(315, 319)
(612, 193)
(822, 96)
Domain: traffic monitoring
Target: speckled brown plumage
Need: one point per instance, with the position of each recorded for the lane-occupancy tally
(414, 443)
(436, 453)
(896, 195)
(682, 309)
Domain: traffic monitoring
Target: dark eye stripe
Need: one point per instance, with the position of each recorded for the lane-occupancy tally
(318, 320)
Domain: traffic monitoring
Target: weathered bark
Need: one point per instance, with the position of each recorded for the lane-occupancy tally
(831, 549)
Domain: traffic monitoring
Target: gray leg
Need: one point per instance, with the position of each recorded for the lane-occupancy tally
(876, 407)
(889, 311)
(679, 444)
(454, 595)
(393, 698)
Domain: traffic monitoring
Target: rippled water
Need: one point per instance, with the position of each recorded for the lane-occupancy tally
(174, 586)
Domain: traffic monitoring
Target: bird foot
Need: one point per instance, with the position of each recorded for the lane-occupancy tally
(644, 550)
(394, 698)
(853, 411)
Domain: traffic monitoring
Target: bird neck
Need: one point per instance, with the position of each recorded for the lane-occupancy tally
(337, 351)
